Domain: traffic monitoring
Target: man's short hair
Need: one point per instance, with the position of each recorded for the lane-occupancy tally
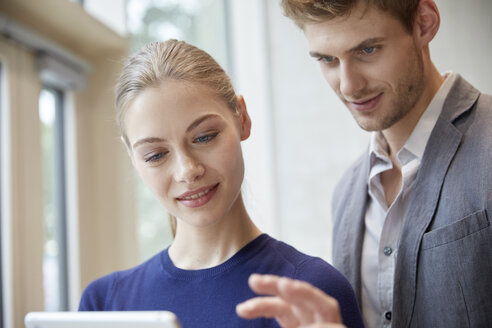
(316, 11)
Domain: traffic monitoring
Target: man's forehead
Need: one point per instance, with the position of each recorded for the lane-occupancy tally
(322, 38)
(348, 32)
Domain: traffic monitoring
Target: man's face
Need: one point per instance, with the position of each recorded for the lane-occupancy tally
(372, 62)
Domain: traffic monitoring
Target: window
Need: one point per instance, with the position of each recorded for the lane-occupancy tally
(55, 272)
(1, 201)
(201, 23)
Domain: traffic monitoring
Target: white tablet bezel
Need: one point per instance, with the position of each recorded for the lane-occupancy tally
(102, 319)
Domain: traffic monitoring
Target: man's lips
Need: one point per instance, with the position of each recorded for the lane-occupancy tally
(366, 104)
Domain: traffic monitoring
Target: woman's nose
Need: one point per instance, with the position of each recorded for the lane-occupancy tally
(188, 169)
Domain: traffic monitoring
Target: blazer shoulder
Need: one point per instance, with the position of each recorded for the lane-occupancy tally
(356, 174)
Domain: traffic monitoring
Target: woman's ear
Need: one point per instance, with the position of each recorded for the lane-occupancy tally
(427, 22)
(244, 118)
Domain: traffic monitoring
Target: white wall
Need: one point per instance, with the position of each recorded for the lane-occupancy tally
(110, 12)
(316, 138)
(464, 42)
(303, 137)
(251, 77)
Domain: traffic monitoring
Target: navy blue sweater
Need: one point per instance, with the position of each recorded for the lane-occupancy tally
(208, 297)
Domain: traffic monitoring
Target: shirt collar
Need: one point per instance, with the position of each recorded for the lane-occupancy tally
(378, 147)
(420, 135)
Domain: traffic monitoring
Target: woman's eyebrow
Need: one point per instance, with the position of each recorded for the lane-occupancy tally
(146, 140)
(193, 125)
(199, 121)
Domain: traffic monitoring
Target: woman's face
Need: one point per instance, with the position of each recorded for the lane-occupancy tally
(184, 141)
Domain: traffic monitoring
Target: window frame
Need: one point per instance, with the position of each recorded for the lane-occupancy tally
(58, 191)
(6, 242)
(91, 255)
(60, 197)
(2, 309)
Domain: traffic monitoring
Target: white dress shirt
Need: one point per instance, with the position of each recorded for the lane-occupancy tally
(383, 225)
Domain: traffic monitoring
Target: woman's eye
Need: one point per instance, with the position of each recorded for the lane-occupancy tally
(205, 138)
(155, 158)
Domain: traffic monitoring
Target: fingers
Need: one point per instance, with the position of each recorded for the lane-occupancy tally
(306, 302)
(309, 299)
(323, 325)
(264, 284)
(268, 307)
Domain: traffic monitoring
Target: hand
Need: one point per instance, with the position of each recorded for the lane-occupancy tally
(292, 303)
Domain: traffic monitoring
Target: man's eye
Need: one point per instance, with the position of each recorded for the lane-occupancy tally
(369, 50)
(205, 138)
(326, 59)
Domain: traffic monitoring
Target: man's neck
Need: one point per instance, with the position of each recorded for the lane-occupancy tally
(398, 134)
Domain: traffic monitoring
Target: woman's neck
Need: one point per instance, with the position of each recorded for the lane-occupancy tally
(197, 248)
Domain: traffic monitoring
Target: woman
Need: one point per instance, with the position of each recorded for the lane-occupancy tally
(182, 124)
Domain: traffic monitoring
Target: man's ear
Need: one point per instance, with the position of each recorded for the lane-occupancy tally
(427, 22)
(244, 118)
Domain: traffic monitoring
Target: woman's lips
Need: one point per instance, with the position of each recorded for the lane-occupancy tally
(366, 105)
(198, 197)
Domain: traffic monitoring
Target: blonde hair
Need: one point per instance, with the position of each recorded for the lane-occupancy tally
(316, 11)
(175, 60)
(170, 60)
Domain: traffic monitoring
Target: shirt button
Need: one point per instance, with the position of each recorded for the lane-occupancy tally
(387, 315)
(387, 251)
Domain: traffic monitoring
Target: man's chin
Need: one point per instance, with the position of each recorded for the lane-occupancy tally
(368, 124)
(372, 123)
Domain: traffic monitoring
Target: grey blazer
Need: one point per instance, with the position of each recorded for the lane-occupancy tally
(443, 275)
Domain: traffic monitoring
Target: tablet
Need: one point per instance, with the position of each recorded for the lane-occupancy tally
(106, 319)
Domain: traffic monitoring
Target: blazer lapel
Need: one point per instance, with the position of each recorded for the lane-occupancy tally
(440, 150)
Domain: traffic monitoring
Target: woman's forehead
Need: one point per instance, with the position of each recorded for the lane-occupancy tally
(173, 106)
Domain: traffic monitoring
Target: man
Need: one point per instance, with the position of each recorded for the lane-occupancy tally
(412, 229)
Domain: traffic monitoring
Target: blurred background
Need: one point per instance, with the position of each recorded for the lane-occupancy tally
(72, 209)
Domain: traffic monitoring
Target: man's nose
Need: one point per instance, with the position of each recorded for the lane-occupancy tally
(352, 81)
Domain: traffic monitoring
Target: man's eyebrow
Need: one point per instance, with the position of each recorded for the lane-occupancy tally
(316, 54)
(366, 43)
(360, 46)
